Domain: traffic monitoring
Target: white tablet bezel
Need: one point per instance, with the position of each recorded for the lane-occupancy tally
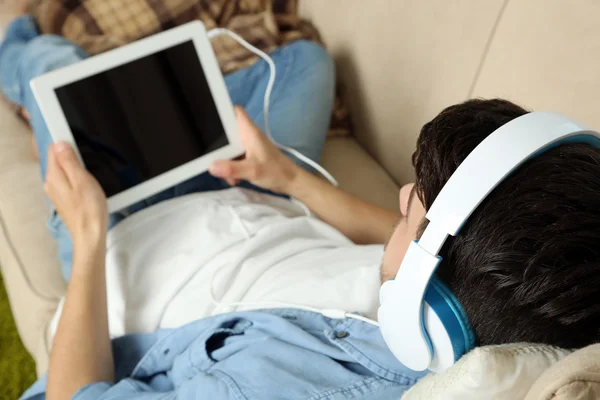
(44, 90)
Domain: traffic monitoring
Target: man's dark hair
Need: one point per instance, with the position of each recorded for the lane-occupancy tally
(526, 266)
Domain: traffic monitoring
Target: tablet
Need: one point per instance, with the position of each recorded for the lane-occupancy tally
(145, 116)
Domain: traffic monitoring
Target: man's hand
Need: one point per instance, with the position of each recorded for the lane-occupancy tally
(264, 165)
(77, 196)
(267, 167)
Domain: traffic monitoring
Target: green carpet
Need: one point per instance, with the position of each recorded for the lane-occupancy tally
(17, 369)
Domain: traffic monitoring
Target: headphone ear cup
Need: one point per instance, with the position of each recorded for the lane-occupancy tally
(441, 299)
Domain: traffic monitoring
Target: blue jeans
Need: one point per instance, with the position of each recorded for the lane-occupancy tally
(302, 101)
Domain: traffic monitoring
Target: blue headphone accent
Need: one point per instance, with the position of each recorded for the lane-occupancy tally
(447, 307)
(582, 139)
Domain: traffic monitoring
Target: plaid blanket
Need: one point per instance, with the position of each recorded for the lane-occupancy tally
(101, 25)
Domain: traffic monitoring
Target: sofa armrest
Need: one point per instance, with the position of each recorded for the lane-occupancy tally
(28, 255)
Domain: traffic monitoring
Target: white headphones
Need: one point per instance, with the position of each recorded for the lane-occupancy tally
(421, 321)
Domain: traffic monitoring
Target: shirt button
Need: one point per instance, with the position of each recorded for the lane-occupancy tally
(341, 334)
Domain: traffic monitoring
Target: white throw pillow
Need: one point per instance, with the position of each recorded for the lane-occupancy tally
(490, 372)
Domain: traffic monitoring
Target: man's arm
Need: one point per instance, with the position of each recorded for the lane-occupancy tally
(81, 352)
(361, 221)
(265, 166)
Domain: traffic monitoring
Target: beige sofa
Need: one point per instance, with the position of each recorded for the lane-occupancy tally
(402, 62)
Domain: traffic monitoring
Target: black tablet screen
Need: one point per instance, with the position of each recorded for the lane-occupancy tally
(141, 119)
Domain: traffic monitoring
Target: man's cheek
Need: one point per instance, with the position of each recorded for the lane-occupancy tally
(395, 254)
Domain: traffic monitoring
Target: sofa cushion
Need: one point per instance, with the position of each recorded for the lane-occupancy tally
(27, 252)
(504, 372)
(358, 173)
(576, 377)
(545, 56)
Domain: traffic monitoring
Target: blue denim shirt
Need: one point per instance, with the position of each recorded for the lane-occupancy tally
(262, 355)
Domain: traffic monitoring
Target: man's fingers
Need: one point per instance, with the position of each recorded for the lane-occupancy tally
(68, 161)
(238, 170)
(232, 181)
(224, 169)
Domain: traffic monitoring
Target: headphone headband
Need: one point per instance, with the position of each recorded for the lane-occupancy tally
(414, 330)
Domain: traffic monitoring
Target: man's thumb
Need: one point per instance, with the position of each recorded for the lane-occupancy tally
(248, 130)
(243, 169)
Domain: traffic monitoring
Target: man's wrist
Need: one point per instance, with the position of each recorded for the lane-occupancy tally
(298, 182)
(90, 242)
(89, 254)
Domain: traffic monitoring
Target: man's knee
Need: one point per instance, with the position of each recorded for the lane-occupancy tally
(315, 59)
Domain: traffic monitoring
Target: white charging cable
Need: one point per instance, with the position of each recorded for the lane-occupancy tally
(222, 31)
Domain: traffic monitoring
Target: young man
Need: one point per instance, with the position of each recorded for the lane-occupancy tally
(525, 268)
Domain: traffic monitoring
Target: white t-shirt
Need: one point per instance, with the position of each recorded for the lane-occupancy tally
(246, 247)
